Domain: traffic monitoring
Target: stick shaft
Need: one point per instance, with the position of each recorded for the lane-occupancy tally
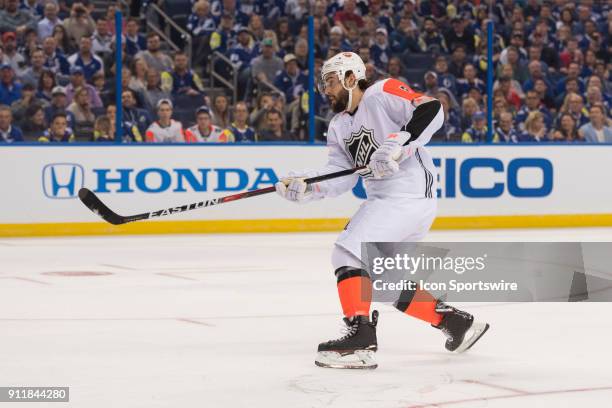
(98, 207)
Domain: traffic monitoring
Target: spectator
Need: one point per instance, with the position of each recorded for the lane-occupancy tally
(506, 132)
(32, 74)
(451, 127)
(11, 55)
(103, 131)
(8, 132)
(46, 83)
(431, 83)
(469, 107)
(598, 129)
(33, 7)
(301, 53)
(64, 43)
(47, 24)
(54, 60)
(223, 38)
(84, 117)
(504, 85)
(20, 106)
(201, 22)
(102, 39)
(132, 115)
(469, 81)
(130, 131)
(220, 112)
(535, 128)
(574, 105)
(165, 129)
(291, 81)
(35, 127)
(460, 35)
(544, 93)
(86, 60)
(348, 18)
(445, 79)
(430, 40)
(458, 61)
(257, 118)
(274, 131)
(77, 80)
(395, 69)
(240, 130)
(138, 79)
(79, 24)
(404, 38)
(337, 41)
(533, 103)
(256, 27)
(243, 52)
(594, 97)
(265, 66)
(153, 56)
(204, 131)
(566, 130)
(104, 92)
(13, 19)
(517, 42)
(10, 90)
(58, 130)
(153, 92)
(59, 103)
(573, 72)
(521, 74)
(182, 80)
(134, 40)
(380, 51)
(477, 133)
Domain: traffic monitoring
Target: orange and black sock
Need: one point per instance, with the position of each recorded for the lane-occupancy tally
(420, 304)
(354, 291)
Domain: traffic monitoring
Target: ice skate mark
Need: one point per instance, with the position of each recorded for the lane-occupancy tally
(175, 276)
(79, 274)
(509, 396)
(192, 321)
(127, 268)
(497, 387)
(25, 279)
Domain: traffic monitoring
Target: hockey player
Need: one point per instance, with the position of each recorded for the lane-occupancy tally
(384, 126)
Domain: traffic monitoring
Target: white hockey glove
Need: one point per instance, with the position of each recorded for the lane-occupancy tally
(386, 159)
(294, 189)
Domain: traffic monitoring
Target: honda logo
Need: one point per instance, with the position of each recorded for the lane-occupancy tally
(62, 180)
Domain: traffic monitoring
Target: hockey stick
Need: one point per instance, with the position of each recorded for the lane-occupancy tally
(91, 201)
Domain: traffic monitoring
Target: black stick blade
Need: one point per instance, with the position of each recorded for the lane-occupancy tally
(92, 202)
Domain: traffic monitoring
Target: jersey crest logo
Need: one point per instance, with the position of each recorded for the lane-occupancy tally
(361, 145)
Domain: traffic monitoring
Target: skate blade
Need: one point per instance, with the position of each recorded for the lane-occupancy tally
(473, 334)
(361, 359)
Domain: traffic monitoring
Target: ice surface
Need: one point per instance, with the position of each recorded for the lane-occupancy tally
(234, 320)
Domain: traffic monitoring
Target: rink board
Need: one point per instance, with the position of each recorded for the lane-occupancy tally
(479, 186)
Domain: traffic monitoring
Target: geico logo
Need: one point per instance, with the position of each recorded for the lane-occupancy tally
(158, 180)
(490, 177)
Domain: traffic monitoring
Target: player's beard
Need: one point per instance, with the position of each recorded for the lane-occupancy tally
(340, 102)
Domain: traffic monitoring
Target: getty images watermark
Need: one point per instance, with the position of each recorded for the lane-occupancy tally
(491, 271)
(459, 265)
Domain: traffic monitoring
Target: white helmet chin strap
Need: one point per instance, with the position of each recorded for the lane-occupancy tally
(350, 92)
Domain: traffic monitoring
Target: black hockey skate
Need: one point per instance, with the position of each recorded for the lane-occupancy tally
(459, 327)
(353, 350)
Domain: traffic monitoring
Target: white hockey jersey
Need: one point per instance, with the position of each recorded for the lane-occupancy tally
(157, 133)
(386, 107)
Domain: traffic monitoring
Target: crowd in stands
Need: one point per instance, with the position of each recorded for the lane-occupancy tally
(57, 68)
